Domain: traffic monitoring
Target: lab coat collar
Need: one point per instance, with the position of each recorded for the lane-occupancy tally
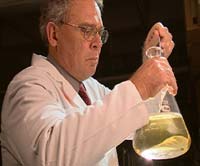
(66, 87)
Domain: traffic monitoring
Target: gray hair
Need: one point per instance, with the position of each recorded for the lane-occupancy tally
(55, 11)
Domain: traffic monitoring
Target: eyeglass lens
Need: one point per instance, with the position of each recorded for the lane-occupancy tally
(90, 35)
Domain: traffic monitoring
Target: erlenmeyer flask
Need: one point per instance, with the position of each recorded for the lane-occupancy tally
(166, 135)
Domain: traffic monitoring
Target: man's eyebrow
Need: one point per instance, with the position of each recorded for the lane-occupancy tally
(86, 24)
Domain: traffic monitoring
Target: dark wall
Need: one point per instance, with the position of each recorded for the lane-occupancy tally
(128, 22)
(19, 38)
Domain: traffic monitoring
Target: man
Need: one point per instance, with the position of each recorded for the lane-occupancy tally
(44, 119)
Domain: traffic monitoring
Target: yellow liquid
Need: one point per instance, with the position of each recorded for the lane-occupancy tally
(164, 137)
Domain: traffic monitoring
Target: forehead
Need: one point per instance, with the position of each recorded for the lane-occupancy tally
(84, 11)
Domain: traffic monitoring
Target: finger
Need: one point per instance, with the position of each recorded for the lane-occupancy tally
(152, 39)
(157, 32)
(153, 35)
(171, 81)
(172, 91)
(172, 86)
(166, 41)
(165, 34)
(167, 48)
(158, 25)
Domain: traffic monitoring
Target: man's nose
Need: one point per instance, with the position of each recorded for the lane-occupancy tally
(96, 43)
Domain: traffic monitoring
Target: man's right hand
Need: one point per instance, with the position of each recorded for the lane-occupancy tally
(153, 75)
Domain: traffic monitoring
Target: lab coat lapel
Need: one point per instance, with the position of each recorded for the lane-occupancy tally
(71, 95)
(68, 91)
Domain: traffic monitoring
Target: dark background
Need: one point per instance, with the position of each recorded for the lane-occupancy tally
(128, 22)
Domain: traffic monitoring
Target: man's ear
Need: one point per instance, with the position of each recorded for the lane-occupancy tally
(51, 30)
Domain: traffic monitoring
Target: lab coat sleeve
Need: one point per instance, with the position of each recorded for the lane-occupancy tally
(45, 132)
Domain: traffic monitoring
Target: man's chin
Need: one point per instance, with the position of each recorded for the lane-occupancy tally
(91, 73)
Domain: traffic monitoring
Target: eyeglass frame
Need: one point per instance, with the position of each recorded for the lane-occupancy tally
(92, 30)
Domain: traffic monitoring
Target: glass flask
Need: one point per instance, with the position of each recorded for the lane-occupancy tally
(166, 135)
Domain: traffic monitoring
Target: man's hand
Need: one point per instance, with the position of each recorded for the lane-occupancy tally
(166, 42)
(153, 75)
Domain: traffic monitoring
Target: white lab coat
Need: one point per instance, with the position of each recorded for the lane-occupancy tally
(46, 123)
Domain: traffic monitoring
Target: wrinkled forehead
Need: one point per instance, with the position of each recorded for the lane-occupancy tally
(84, 11)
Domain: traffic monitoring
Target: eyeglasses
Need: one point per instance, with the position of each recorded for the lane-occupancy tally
(89, 33)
